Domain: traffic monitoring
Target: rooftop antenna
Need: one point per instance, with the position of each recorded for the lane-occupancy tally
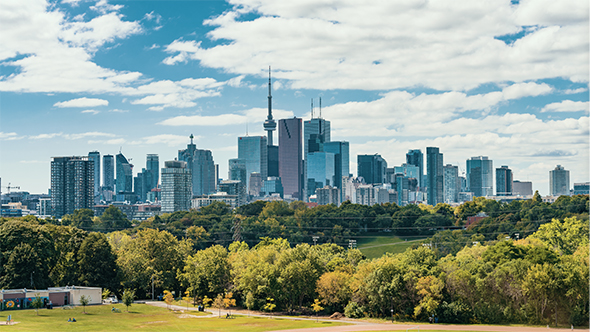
(320, 107)
(246, 128)
(312, 108)
(191, 137)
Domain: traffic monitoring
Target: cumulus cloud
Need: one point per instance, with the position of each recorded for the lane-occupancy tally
(82, 102)
(72, 136)
(254, 115)
(93, 112)
(566, 106)
(9, 136)
(337, 44)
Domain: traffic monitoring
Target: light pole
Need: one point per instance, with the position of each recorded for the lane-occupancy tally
(391, 316)
(152, 287)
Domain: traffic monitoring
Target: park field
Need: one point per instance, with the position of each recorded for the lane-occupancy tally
(143, 317)
(374, 246)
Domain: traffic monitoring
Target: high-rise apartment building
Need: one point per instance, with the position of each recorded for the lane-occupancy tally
(523, 188)
(480, 176)
(341, 162)
(108, 172)
(434, 173)
(176, 186)
(72, 184)
(503, 181)
(95, 157)
(372, 168)
(328, 195)
(254, 151)
(152, 165)
(124, 178)
(416, 158)
(559, 181)
(202, 168)
(452, 184)
(290, 157)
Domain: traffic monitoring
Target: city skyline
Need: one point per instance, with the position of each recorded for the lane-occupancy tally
(508, 81)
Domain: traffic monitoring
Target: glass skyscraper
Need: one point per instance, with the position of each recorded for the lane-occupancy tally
(416, 158)
(290, 157)
(202, 168)
(152, 165)
(320, 171)
(253, 150)
(316, 132)
(559, 181)
(503, 181)
(434, 173)
(124, 174)
(95, 157)
(341, 162)
(176, 186)
(480, 176)
(372, 167)
(108, 172)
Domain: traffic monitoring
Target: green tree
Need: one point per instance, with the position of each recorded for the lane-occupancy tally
(128, 296)
(207, 272)
(37, 303)
(97, 263)
(250, 301)
(114, 219)
(84, 301)
(565, 236)
(316, 306)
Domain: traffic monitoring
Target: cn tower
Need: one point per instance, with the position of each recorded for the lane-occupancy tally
(269, 125)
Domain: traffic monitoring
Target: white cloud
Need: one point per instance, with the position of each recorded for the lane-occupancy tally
(339, 44)
(72, 136)
(566, 106)
(254, 115)
(93, 112)
(118, 111)
(168, 139)
(9, 136)
(82, 102)
(574, 91)
(114, 141)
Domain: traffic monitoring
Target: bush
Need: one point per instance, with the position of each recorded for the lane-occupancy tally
(354, 310)
(454, 312)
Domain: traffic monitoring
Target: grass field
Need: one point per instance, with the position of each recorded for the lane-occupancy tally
(143, 318)
(374, 246)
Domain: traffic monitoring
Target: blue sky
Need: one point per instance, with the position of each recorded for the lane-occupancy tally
(494, 78)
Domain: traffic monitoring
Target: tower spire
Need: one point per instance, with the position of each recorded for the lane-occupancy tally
(269, 125)
(320, 107)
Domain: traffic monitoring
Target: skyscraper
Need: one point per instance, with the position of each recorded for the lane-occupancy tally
(480, 176)
(95, 157)
(108, 172)
(152, 165)
(434, 173)
(452, 184)
(559, 181)
(372, 168)
(72, 184)
(124, 174)
(176, 186)
(416, 158)
(202, 168)
(316, 132)
(290, 158)
(270, 126)
(341, 162)
(320, 171)
(254, 151)
(503, 181)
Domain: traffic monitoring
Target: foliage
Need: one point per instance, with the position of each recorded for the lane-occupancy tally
(84, 301)
(128, 296)
(354, 310)
(38, 303)
(316, 307)
(168, 298)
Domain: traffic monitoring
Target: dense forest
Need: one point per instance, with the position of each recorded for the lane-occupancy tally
(526, 262)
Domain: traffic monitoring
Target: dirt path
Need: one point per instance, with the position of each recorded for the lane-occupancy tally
(426, 327)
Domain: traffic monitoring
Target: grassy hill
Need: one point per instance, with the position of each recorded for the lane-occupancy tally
(374, 246)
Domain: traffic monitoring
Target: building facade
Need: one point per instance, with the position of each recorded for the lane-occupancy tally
(480, 176)
(253, 150)
(341, 162)
(522, 188)
(202, 168)
(504, 181)
(72, 184)
(434, 174)
(95, 157)
(124, 180)
(320, 171)
(176, 186)
(452, 184)
(416, 158)
(559, 181)
(290, 157)
(108, 172)
(372, 168)
(328, 195)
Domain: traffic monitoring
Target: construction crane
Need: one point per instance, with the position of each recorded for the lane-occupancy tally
(8, 187)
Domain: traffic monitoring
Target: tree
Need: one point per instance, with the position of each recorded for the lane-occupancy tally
(430, 289)
(229, 302)
(269, 306)
(168, 298)
(37, 303)
(334, 289)
(316, 308)
(218, 303)
(84, 301)
(97, 263)
(250, 301)
(207, 272)
(564, 236)
(128, 296)
(114, 218)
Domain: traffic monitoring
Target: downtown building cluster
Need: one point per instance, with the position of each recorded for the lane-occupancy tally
(305, 165)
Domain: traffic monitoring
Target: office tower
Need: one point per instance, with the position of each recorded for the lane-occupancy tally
(124, 175)
(522, 188)
(503, 181)
(582, 188)
(341, 162)
(290, 157)
(254, 151)
(95, 157)
(480, 176)
(273, 160)
(408, 170)
(434, 173)
(176, 186)
(72, 184)
(320, 171)
(139, 184)
(316, 132)
(237, 172)
(152, 165)
(559, 181)
(108, 172)
(452, 184)
(272, 185)
(372, 168)
(234, 187)
(416, 158)
(255, 184)
(328, 195)
(201, 166)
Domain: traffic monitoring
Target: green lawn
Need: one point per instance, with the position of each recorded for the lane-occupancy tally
(143, 318)
(375, 246)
